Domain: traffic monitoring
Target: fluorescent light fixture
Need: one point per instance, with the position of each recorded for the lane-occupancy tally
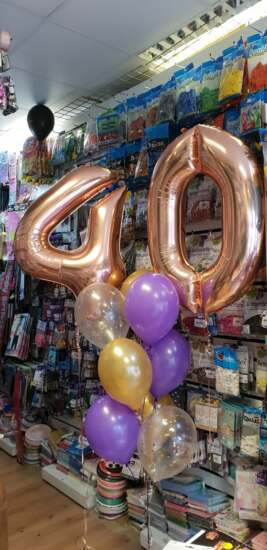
(234, 24)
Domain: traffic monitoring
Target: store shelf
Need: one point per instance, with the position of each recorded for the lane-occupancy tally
(70, 485)
(204, 226)
(9, 446)
(258, 338)
(213, 480)
(69, 422)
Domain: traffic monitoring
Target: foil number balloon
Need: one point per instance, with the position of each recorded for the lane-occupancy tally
(98, 258)
(229, 163)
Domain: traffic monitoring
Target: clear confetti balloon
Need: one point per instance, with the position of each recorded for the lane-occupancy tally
(99, 314)
(167, 442)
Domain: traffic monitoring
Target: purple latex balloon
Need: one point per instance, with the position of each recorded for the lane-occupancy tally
(112, 430)
(151, 306)
(170, 358)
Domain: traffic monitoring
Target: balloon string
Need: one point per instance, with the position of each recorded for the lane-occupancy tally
(148, 492)
(82, 545)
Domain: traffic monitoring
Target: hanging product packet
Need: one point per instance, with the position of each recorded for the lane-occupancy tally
(110, 126)
(90, 138)
(232, 121)
(257, 62)
(227, 370)
(187, 91)
(166, 108)
(229, 424)
(152, 106)
(209, 89)
(243, 358)
(253, 113)
(58, 150)
(136, 117)
(250, 433)
(233, 71)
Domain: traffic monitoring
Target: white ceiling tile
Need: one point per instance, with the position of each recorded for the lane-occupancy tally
(39, 7)
(126, 24)
(31, 89)
(19, 23)
(64, 56)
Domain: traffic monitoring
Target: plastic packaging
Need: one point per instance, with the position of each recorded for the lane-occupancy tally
(229, 424)
(250, 432)
(166, 109)
(232, 121)
(90, 138)
(153, 99)
(209, 89)
(232, 75)
(136, 117)
(187, 92)
(227, 370)
(111, 125)
(242, 354)
(257, 62)
(253, 111)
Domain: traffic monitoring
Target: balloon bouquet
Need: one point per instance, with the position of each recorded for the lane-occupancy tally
(137, 411)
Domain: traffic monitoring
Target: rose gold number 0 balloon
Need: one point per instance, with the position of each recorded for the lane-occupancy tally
(98, 258)
(230, 164)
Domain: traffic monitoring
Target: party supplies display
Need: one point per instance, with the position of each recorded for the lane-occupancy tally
(90, 137)
(136, 117)
(250, 432)
(19, 340)
(111, 125)
(206, 414)
(253, 112)
(187, 92)
(200, 199)
(229, 424)
(242, 354)
(209, 89)
(257, 62)
(232, 75)
(166, 108)
(230, 319)
(153, 99)
(227, 370)
(232, 121)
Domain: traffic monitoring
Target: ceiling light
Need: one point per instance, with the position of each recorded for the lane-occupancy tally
(234, 24)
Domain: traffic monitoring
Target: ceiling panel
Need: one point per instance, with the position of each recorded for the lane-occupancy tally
(126, 24)
(64, 56)
(39, 7)
(20, 23)
(31, 89)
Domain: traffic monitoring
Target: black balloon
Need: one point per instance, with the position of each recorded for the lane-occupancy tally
(40, 121)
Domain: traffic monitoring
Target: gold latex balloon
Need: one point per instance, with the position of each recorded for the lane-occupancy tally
(167, 442)
(125, 372)
(98, 258)
(230, 163)
(165, 400)
(129, 281)
(99, 314)
(150, 404)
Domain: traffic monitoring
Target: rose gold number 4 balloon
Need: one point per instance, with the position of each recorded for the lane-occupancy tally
(98, 258)
(230, 164)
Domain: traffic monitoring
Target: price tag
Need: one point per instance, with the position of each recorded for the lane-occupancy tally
(264, 319)
(200, 323)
